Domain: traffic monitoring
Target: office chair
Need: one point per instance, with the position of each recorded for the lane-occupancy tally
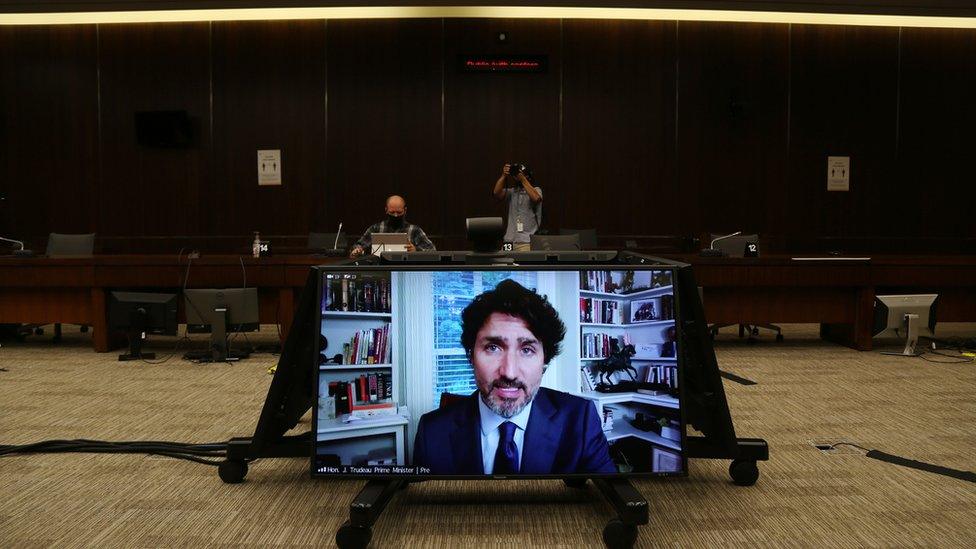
(68, 245)
(554, 242)
(327, 242)
(587, 237)
(450, 398)
(735, 246)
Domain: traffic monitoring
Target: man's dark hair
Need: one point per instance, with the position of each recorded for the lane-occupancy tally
(511, 298)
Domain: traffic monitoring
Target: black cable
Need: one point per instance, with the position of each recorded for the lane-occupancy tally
(955, 358)
(832, 446)
(186, 451)
(186, 335)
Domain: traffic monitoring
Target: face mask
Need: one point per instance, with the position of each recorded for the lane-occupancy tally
(394, 221)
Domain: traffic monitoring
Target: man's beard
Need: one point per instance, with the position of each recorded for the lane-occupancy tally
(507, 407)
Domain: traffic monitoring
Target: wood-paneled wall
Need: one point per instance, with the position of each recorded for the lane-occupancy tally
(637, 128)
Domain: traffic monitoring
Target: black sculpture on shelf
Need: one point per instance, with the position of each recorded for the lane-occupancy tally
(618, 361)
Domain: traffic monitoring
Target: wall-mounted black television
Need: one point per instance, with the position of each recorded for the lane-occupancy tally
(164, 129)
(541, 371)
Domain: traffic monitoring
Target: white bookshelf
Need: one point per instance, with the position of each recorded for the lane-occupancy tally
(649, 338)
(353, 440)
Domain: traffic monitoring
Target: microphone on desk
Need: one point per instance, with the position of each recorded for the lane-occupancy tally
(21, 252)
(334, 251)
(711, 251)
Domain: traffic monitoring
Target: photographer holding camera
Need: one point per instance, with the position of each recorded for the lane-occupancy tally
(524, 204)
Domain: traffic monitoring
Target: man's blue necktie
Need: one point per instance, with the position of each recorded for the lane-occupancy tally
(507, 456)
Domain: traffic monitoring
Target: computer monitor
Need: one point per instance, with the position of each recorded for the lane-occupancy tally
(217, 312)
(139, 314)
(551, 242)
(907, 316)
(389, 242)
(574, 370)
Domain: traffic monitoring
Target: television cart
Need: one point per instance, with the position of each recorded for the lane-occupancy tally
(292, 394)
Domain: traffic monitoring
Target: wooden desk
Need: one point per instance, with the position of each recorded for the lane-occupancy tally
(839, 295)
(42, 290)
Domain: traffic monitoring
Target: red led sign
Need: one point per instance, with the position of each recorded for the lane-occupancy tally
(503, 63)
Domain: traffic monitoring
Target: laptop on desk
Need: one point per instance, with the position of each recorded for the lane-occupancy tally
(389, 242)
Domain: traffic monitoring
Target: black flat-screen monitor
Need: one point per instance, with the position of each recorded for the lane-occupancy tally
(141, 313)
(539, 371)
(220, 312)
(164, 129)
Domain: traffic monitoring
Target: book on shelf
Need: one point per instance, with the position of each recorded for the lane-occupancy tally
(366, 295)
(370, 346)
(587, 379)
(596, 281)
(665, 374)
(601, 345)
(381, 409)
(607, 420)
(600, 311)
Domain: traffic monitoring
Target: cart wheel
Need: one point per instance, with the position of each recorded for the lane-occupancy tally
(353, 537)
(232, 472)
(779, 337)
(618, 535)
(744, 472)
(755, 331)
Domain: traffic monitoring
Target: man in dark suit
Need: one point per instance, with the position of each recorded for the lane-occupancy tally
(510, 425)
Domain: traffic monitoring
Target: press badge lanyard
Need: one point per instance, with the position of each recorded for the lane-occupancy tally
(522, 195)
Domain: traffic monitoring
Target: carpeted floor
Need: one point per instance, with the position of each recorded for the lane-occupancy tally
(807, 390)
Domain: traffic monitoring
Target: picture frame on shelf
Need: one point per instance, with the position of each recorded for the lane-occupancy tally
(645, 310)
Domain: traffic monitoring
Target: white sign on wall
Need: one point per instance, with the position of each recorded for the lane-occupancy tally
(269, 167)
(838, 173)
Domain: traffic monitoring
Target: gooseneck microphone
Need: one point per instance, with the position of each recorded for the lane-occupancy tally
(21, 252)
(710, 251)
(338, 232)
(712, 245)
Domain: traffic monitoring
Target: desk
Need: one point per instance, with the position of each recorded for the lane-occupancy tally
(839, 295)
(44, 290)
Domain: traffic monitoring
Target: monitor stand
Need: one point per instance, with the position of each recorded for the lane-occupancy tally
(629, 505)
(911, 340)
(136, 333)
(219, 346)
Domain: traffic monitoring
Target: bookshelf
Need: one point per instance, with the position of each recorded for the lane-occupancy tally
(358, 323)
(631, 307)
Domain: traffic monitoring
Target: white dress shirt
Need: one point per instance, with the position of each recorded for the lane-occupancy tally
(490, 435)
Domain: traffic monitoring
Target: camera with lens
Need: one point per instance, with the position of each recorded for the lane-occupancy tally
(514, 169)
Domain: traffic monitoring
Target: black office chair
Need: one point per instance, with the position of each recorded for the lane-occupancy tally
(328, 243)
(547, 243)
(68, 245)
(587, 237)
(735, 246)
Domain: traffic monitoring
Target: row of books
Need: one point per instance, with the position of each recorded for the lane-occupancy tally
(366, 392)
(356, 295)
(599, 345)
(597, 281)
(603, 311)
(666, 374)
(370, 346)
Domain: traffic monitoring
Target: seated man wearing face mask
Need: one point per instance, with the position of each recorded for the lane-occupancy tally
(396, 210)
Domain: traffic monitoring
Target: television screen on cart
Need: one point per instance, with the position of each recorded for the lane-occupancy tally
(446, 371)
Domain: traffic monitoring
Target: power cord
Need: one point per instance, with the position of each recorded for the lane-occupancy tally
(197, 453)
